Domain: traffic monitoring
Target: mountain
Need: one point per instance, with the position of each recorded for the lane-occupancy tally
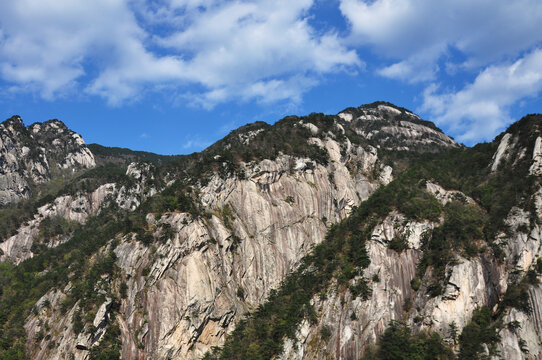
(33, 155)
(447, 257)
(369, 233)
(124, 157)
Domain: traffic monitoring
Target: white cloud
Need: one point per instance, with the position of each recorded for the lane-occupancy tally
(47, 44)
(206, 50)
(417, 33)
(481, 109)
(416, 68)
(255, 48)
(196, 144)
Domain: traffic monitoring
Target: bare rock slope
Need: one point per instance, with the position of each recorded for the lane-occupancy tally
(32, 155)
(501, 275)
(204, 240)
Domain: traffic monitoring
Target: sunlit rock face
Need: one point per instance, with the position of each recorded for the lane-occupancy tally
(189, 288)
(33, 155)
(470, 282)
(257, 230)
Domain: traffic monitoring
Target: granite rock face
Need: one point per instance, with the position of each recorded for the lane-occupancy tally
(396, 128)
(200, 274)
(75, 208)
(470, 283)
(257, 230)
(33, 155)
(354, 322)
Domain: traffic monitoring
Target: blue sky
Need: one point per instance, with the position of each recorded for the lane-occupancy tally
(173, 76)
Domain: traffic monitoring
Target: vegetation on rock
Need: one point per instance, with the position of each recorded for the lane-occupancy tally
(88, 263)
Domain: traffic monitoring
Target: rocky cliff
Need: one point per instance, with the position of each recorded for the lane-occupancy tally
(417, 279)
(353, 212)
(33, 155)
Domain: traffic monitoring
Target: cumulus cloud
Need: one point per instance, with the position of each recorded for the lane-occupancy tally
(416, 68)
(417, 33)
(47, 44)
(207, 51)
(482, 108)
(256, 49)
(196, 144)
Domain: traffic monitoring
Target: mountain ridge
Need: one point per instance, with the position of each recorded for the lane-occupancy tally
(163, 260)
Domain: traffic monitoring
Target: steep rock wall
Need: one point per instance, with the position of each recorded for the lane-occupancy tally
(211, 270)
(32, 155)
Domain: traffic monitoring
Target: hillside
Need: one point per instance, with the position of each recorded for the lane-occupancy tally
(452, 272)
(321, 236)
(124, 157)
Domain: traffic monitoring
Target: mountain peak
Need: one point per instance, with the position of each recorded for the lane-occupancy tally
(35, 154)
(392, 127)
(396, 221)
(54, 125)
(14, 118)
(518, 144)
(14, 124)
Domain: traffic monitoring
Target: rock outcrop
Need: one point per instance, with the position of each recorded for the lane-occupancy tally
(185, 278)
(395, 128)
(75, 208)
(33, 155)
(470, 283)
(257, 230)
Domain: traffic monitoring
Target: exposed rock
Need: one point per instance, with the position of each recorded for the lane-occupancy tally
(346, 117)
(394, 128)
(522, 342)
(501, 150)
(88, 339)
(446, 196)
(276, 213)
(354, 323)
(34, 154)
(258, 229)
(397, 225)
(536, 167)
(18, 247)
(313, 128)
(469, 285)
(523, 246)
(74, 208)
(45, 322)
(188, 290)
(465, 291)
